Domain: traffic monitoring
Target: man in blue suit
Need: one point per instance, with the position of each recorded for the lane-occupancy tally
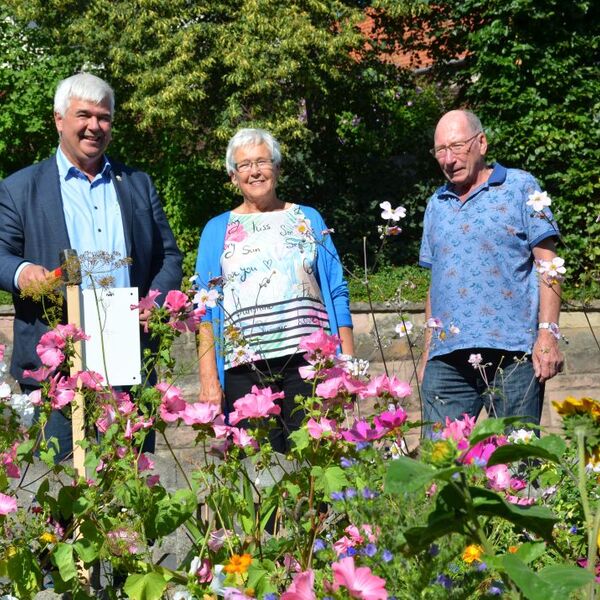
(79, 199)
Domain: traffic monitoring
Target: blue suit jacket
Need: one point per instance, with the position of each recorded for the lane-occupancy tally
(33, 228)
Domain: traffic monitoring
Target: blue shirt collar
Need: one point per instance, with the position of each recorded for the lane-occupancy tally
(66, 169)
(497, 177)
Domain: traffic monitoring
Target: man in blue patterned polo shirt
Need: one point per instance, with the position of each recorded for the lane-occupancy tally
(492, 335)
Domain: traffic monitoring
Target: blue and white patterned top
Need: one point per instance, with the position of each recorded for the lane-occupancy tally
(271, 297)
(484, 286)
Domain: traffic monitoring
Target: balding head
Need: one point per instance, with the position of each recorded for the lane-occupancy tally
(460, 147)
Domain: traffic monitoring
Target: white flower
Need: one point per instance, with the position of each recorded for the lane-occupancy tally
(404, 328)
(206, 298)
(24, 407)
(475, 360)
(553, 269)
(302, 227)
(355, 367)
(454, 330)
(521, 436)
(183, 595)
(195, 565)
(395, 214)
(433, 323)
(538, 200)
(5, 391)
(217, 584)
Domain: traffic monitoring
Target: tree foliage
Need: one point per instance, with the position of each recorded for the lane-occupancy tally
(322, 76)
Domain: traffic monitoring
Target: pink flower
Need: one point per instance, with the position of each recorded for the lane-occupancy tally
(302, 587)
(242, 439)
(340, 385)
(108, 417)
(200, 413)
(362, 431)
(498, 477)
(343, 544)
(8, 504)
(61, 392)
(176, 301)
(319, 345)
(131, 428)
(520, 501)
(256, 405)
(458, 429)
(147, 302)
(90, 380)
(480, 453)
(2, 350)
(517, 484)
(391, 419)
(360, 582)
(325, 427)
(217, 539)
(40, 374)
(172, 403)
(388, 386)
(9, 461)
(153, 480)
(145, 463)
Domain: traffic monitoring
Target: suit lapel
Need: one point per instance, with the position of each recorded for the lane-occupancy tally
(52, 206)
(123, 189)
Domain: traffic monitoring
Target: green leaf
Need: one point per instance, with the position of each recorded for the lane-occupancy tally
(565, 579)
(169, 513)
(331, 479)
(62, 556)
(532, 586)
(491, 426)
(149, 586)
(300, 438)
(516, 452)
(408, 475)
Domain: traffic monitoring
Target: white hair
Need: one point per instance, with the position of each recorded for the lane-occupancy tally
(83, 86)
(251, 137)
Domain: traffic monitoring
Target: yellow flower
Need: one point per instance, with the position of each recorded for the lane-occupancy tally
(512, 549)
(238, 564)
(48, 538)
(471, 553)
(442, 453)
(568, 406)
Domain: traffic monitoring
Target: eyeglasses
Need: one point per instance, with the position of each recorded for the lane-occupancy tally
(457, 148)
(263, 164)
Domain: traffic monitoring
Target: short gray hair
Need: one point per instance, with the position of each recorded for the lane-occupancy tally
(251, 137)
(473, 121)
(83, 86)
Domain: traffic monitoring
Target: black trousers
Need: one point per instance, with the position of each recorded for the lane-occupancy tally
(281, 375)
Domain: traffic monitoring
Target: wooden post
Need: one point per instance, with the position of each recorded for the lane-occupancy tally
(77, 406)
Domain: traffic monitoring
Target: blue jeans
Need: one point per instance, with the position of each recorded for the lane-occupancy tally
(59, 426)
(506, 387)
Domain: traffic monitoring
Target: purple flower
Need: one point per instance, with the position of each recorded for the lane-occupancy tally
(270, 596)
(370, 550)
(362, 445)
(573, 529)
(495, 590)
(481, 566)
(434, 550)
(351, 551)
(346, 463)
(319, 545)
(386, 556)
(444, 581)
(369, 494)
(350, 493)
(337, 495)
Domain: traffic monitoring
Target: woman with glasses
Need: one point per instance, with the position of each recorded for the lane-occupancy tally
(279, 278)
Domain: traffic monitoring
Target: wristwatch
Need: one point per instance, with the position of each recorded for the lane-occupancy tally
(553, 327)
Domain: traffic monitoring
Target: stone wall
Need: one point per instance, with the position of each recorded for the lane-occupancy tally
(581, 376)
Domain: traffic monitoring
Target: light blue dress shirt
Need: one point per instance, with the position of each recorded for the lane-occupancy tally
(93, 217)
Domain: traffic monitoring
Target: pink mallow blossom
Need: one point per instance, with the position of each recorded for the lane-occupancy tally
(362, 431)
(302, 587)
(200, 413)
(319, 345)
(147, 302)
(8, 504)
(258, 404)
(458, 429)
(391, 419)
(358, 581)
(172, 402)
(339, 385)
(322, 428)
(387, 387)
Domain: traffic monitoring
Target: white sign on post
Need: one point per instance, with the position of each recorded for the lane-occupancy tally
(109, 321)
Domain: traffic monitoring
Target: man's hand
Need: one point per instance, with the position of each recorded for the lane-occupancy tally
(210, 391)
(32, 275)
(546, 357)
